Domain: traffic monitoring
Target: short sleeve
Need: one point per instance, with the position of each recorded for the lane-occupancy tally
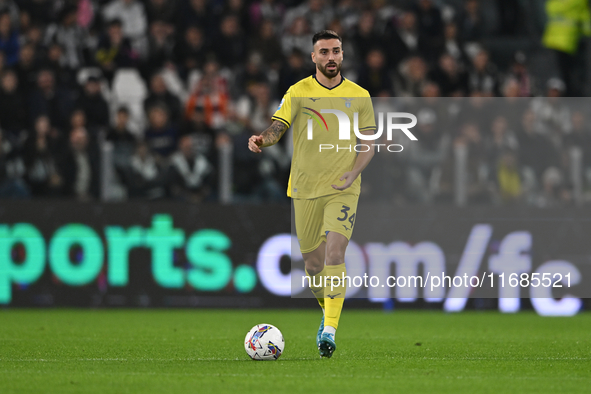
(283, 113)
(367, 119)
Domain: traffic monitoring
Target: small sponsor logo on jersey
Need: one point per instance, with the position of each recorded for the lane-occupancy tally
(333, 296)
(280, 104)
(314, 99)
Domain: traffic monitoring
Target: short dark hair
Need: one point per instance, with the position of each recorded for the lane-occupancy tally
(326, 35)
(115, 22)
(123, 109)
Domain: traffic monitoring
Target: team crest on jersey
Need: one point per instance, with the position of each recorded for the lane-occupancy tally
(348, 101)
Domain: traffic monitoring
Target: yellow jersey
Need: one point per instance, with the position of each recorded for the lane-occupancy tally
(324, 142)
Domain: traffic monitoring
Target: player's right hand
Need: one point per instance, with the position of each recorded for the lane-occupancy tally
(254, 143)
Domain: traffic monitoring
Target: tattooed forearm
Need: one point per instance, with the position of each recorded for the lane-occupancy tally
(274, 133)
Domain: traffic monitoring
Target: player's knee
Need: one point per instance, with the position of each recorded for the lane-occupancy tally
(313, 265)
(335, 257)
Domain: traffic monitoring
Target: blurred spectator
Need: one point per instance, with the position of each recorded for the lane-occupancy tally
(191, 175)
(78, 121)
(163, 10)
(69, 36)
(374, 75)
(114, 51)
(230, 46)
(26, 69)
(93, 104)
(239, 9)
(317, 14)
(256, 108)
(80, 167)
(267, 44)
(160, 47)
(133, 19)
(48, 99)
(511, 17)
(521, 74)
(9, 43)
(200, 13)
(347, 12)
(365, 37)
(483, 78)
(500, 140)
(53, 61)
(85, 13)
(211, 94)
(404, 38)
(580, 138)
(11, 171)
(508, 178)
(553, 112)
(33, 36)
(13, 115)
(251, 74)
(430, 25)
(144, 177)
(10, 7)
(555, 190)
(190, 53)
(40, 159)
(412, 77)
(203, 135)
(454, 47)
(426, 156)
(160, 96)
(40, 12)
(293, 71)
(119, 133)
(451, 80)
(471, 21)
(477, 170)
(160, 135)
(266, 10)
(568, 22)
(536, 152)
(297, 37)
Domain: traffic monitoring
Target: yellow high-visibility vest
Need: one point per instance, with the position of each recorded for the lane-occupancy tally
(568, 21)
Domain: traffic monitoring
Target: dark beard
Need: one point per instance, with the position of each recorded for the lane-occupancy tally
(330, 74)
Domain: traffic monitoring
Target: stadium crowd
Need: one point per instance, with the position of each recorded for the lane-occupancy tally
(169, 83)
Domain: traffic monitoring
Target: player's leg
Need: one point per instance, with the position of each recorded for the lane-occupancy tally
(315, 270)
(339, 217)
(334, 293)
(308, 222)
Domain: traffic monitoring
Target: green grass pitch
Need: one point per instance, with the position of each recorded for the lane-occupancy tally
(193, 351)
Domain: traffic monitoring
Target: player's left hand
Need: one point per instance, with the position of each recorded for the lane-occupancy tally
(348, 177)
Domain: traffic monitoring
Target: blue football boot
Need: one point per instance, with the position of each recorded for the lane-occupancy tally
(327, 345)
(320, 330)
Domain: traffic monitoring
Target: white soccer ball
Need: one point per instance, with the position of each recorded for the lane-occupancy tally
(264, 342)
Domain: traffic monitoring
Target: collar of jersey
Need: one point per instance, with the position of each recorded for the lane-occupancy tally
(325, 87)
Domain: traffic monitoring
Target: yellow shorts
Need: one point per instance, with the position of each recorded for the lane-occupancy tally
(315, 217)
